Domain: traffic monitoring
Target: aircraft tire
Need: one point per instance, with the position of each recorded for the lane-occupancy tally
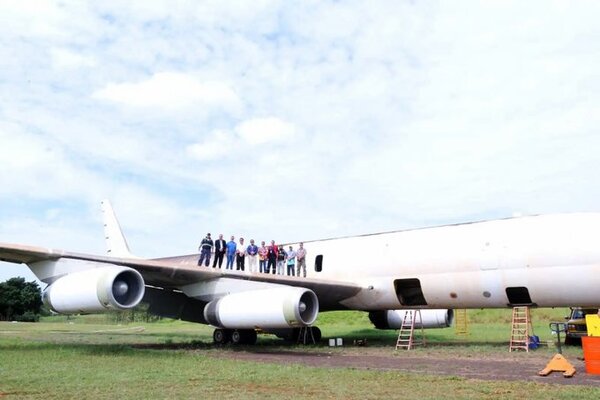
(221, 336)
(237, 337)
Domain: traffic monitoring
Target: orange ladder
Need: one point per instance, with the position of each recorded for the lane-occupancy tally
(521, 329)
(406, 337)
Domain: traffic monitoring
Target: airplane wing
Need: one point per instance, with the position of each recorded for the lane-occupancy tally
(174, 273)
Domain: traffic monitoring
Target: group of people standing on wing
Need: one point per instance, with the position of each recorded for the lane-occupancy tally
(270, 259)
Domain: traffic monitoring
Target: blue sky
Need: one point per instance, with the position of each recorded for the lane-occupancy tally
(290, 120)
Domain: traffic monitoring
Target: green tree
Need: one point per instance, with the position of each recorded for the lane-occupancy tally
(20, 300)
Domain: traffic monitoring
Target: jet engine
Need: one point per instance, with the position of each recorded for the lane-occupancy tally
(95, 290)
(392, 319)
(267, 308)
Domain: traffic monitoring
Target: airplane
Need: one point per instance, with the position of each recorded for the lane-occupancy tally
(540, 261)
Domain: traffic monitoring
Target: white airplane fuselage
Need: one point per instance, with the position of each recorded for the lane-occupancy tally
(544, 261)
(548, 261)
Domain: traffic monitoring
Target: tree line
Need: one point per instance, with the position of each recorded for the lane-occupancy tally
(20, 300)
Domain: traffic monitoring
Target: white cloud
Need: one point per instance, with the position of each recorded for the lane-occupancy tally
(263, 130)
(242, 141)
(66, 59)
(219, 144)
(169, 90)
(35, 18)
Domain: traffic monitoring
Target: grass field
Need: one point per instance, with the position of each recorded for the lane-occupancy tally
(88, 357)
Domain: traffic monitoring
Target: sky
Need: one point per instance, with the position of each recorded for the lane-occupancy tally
(290, 120)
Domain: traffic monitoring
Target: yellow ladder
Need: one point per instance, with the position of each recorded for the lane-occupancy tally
(406, 337)
(521, 329)
(461, 324)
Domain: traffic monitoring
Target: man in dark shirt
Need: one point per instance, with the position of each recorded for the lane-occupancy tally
(205, 249)
(272, 257)
(220, 247)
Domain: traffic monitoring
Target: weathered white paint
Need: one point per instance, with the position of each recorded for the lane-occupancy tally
(557, 257)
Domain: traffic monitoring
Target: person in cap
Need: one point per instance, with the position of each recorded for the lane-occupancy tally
(205, 249)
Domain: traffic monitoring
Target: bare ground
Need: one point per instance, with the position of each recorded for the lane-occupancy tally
(524, 367)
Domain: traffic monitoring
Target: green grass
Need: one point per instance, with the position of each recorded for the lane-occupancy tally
(86, 357)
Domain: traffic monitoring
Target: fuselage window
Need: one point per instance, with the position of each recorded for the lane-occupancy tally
(319, 263)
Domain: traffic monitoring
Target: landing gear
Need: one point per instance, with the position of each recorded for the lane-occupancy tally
(221, 336)
(304, 335)
(308, 335)
(243, 336)
(235, 336)
(317, 334)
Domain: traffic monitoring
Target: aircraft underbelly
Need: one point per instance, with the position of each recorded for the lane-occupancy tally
(543, 287)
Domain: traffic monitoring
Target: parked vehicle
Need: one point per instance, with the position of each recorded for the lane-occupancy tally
(576, 326)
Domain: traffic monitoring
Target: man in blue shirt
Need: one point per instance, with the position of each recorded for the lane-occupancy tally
(230, 253)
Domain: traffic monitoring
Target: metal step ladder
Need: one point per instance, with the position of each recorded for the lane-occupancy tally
(522, 329)
(406, 337)
(461, 323)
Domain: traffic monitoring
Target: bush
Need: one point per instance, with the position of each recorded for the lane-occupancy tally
(27, 316)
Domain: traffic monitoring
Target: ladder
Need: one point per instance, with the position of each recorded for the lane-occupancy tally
(521, 329)
(406, 337)
(461, 324)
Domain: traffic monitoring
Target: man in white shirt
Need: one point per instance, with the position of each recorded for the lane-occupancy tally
(240, 252)
(301, 260)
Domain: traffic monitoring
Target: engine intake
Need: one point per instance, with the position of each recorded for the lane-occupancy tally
(95, 290)
(392, 319)
(268, 308)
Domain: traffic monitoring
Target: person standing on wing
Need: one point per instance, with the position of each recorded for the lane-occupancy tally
(230, 253)
(281, 257)
(241, 252)
(291, 261)
(272, 257)
(220, 248)
(262, 257)
(251, 251)
(205, 249)
(301, 260)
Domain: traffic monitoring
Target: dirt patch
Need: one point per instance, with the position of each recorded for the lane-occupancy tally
(516, 368)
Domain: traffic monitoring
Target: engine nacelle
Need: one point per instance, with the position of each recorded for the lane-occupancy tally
(268, 308)
(95, 290)
(392, 319)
